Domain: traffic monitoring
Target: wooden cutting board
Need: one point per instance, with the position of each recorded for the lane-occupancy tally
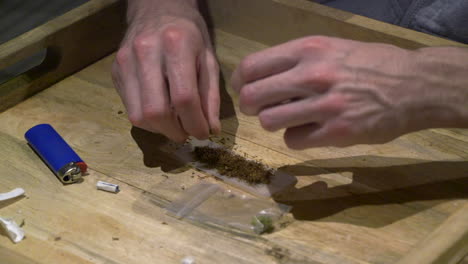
(347, 201)
(356, 205)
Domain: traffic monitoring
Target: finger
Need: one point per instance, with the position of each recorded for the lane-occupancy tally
(263, 64)
(332, 133)
(124, 75)
(154, 97)
(182, 74)
(209, 90)
(306, 136)
(305, 111)
(270, 91)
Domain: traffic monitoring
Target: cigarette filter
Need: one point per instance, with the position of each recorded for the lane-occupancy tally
(109, 187)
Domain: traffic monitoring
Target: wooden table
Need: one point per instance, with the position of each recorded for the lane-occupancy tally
(362, 204)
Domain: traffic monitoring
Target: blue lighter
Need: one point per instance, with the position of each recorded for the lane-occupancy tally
(56, 153)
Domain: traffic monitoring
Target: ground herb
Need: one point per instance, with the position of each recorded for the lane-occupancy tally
(262, 224)
(232, 165)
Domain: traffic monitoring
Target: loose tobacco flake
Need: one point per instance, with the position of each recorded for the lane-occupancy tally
(232, 165)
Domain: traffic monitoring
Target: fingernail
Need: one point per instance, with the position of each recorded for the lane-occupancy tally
(216, 128)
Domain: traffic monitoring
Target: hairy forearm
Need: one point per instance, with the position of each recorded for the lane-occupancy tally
(140, 8)
(444, 87)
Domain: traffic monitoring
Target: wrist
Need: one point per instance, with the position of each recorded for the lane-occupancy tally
(443, 90)
(138, 9)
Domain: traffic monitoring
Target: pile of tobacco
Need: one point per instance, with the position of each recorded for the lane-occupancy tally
(233, 165)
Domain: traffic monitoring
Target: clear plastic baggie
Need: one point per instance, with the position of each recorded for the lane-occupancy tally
(210, 203)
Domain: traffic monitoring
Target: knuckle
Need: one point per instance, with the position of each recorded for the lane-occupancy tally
(322, 76)
(153, 113)
(248, 98)
(310, 44)
(173, 36)
(334, 104)
(183, 100)
(247, 95)
(143, 45)
(326, 74)
(123, 56)
(267, 121)
(245, 68)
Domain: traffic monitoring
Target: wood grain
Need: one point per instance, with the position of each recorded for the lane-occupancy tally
(78, 224)
(448, 244)
(386, 197)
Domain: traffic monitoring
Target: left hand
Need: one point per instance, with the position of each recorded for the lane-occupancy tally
(166, 72)
(335, 92)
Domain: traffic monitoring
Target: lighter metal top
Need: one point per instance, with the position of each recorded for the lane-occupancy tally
(70, 173)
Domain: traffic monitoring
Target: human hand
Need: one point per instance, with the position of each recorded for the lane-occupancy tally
(336, 92)
(166, 72)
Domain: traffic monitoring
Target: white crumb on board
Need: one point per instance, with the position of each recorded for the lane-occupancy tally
(188, 260)
(12, 229)
(12, 194)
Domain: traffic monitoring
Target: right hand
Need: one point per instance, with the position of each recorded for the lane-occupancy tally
(166, 72)
(337, 92)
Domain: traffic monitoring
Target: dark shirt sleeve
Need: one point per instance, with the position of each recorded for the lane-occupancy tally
(390, 11)
(445, 18)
